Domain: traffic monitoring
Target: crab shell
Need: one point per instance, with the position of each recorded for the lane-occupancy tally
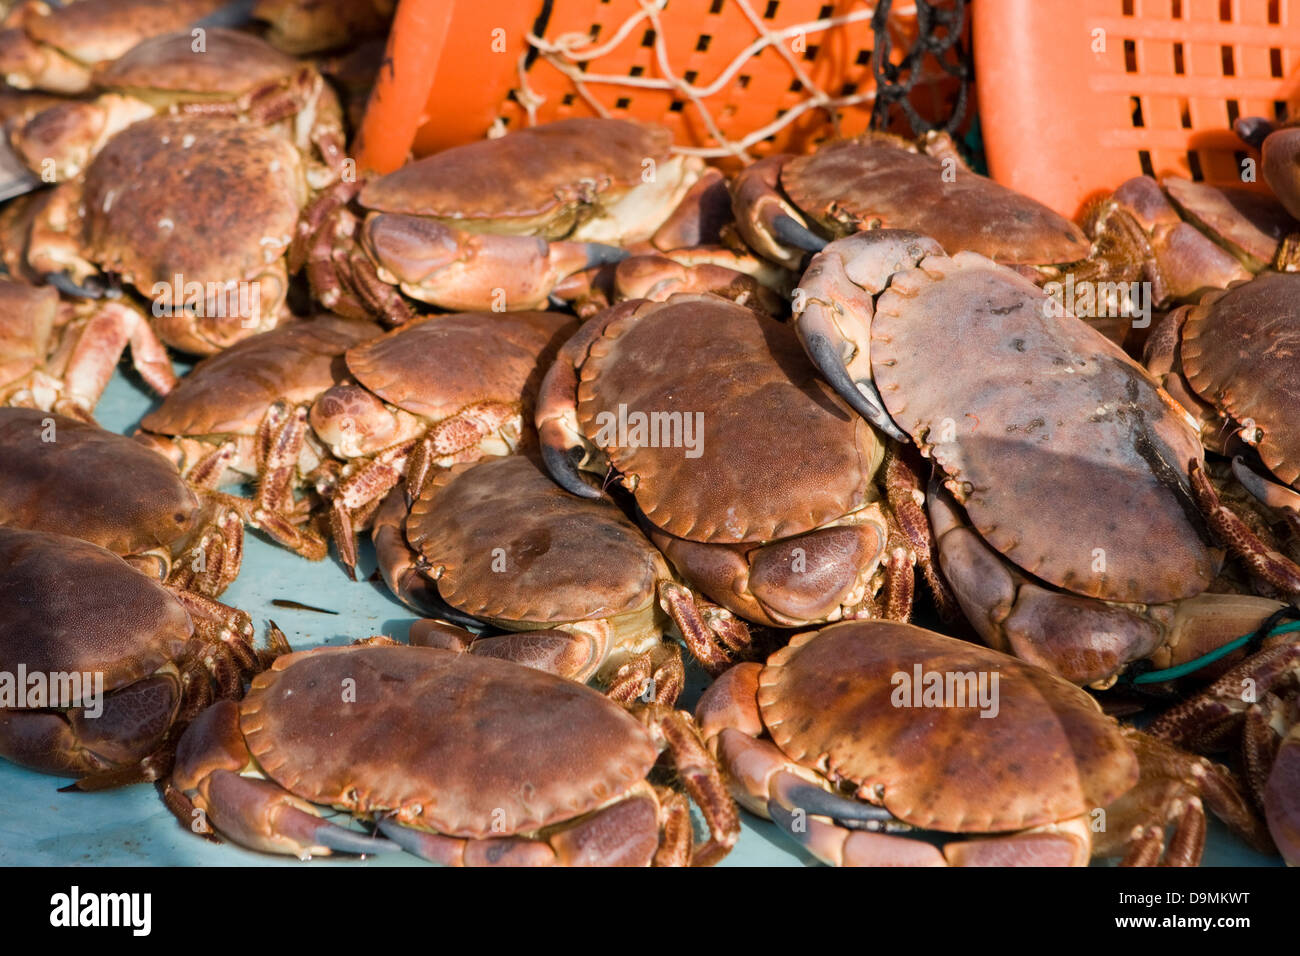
(176, 200)
(1041, 408)
(582, 179)
(465, 746)
(1240, 353)
(567, 559)
(881, 181)
(834, 702)
(58, 45)
(70, 606)
(310, 26)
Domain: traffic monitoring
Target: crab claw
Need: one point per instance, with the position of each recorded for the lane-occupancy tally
(1253, 130)
(794, 233)
(562, 464)
(93, 288)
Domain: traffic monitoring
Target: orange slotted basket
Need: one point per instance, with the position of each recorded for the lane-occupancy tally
(1078, 95)
(718, 73)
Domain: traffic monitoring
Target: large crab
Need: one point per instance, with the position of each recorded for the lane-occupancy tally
(195, 213)
(685, 402)
(72, 608)
(880, 181)
(1031, 405)
(57, 46)
(460, 759)
(243, 414)
(230, 73)
(68, 477)
(428, 395)
(864, 738)
(494, 224)
(587, 595)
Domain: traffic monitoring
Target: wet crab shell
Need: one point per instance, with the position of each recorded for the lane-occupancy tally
(567, 558)
(544, 180)
(27, 317)
(829, 701)
(780, 453)
(68, 477)
(437, 366)
(210, 200)
(229, 393)
(886, 182)
(1055, 441)
(69, 605)
(463, 745)
(1241, 353)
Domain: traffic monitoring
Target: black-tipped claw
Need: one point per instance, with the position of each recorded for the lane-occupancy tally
(234, 14)
(1253, 130)
(599, 254)
(863, 399)
(793, 233)
(343, 840)
(812, 800)
(433, 605)
(562, 464)
(92, 288)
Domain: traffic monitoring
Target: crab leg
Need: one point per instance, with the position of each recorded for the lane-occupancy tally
(280, 438)
(101, 342)
(704, 626)
(1267, 565)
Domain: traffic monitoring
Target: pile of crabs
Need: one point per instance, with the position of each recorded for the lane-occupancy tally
(611, 416)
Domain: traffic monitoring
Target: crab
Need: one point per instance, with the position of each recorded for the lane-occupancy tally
(1033, 406)
(845, 740)
(156, 659)
(584, 591)
(494, 224)
(785, 206)
(195, 213)
(243, 414)
(67, 477)
(684, 402)
(430, 394)
(232, 74)
(301, 27)
(1279, 147)
(481, 762)
(57, 46)
(1253, 707)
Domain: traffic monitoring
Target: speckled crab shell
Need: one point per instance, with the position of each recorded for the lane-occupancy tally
(567, 559)
(167, 67)
(69, 605)
(1055, 441)
(89, 483)
(165, 183)
(230, 392)
(884, 181)
(1241, 353)
(828, 700)
(437, 366)
(537, 181)
(467, 746)
(781, 453)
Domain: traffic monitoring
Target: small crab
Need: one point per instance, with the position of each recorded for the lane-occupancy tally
(587, 595)
(427, 395)
(195, 213)
(685, 402)
(864, 738)
(881, 181)
(1016, 401)
(494, 224)
(232, 74)
(68, 477)
(243, 414)
(57, 46)
(153, 659)
(480, 762)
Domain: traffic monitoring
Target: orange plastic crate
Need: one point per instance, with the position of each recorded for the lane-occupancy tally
(453, 64)
(1076, 96)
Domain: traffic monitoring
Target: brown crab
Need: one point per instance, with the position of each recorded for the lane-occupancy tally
(428, 395)
(856, 736)
(587, 595)
(195, 213)
(68, 477)
(311, 26)
(481, 762)
(680, 402)
(153, 658)
(228, 73)
(1032, 406)
(243, 414)
(494, 224)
